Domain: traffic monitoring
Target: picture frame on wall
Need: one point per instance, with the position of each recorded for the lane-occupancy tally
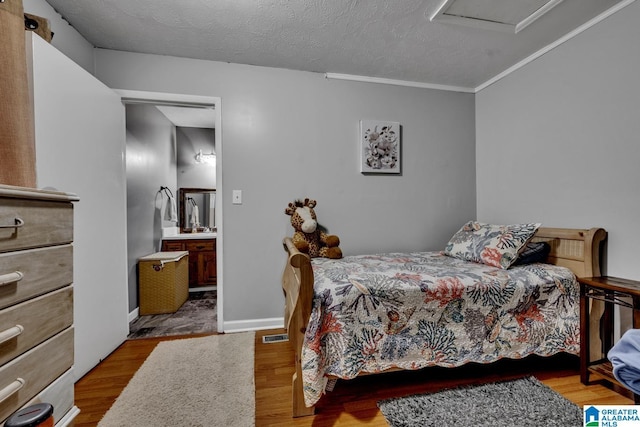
(379, 146)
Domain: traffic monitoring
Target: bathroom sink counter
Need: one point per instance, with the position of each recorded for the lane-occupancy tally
(191, 236)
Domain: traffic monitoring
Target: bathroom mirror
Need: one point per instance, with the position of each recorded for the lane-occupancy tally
(197, 209)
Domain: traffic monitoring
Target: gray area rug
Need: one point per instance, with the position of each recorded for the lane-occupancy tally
(198, 315)
(206, 381)
(523, 402)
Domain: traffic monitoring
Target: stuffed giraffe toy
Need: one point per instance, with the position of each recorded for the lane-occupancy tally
(308, 238)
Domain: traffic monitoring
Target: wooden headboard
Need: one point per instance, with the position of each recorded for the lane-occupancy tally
(576, 249)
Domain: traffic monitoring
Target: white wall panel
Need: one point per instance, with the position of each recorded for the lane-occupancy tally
(80, 141)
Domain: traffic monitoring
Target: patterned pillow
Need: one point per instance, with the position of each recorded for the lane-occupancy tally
(495, 245)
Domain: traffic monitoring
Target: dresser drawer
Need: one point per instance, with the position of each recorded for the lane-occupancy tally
(42, 271)
(201, 245)
(170, 246)
(34, 223)
(39, 318)
(38, 368)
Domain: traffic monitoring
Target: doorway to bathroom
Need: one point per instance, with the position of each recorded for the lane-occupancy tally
(174, 142)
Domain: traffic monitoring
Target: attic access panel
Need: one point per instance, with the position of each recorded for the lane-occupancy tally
(502, 15)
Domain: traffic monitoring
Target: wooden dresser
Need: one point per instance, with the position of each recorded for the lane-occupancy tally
(202, 259)
(36, 301)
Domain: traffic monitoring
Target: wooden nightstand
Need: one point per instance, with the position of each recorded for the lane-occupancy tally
(612, 291)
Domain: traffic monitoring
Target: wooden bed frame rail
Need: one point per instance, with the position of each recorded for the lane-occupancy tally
(297, 284)
(576, 249)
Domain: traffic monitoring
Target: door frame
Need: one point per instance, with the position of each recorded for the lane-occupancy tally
(182, 100)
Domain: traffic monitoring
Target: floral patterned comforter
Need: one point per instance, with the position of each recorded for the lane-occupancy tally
(414, 310)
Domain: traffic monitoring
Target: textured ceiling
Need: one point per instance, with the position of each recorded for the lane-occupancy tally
(391, 39)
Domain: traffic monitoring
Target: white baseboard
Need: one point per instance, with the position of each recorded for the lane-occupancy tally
(253, 324)
(67, 419)
(134, 314)
(236, 325)
(204, 288)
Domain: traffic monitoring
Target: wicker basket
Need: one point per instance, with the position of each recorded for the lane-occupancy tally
(163, 282)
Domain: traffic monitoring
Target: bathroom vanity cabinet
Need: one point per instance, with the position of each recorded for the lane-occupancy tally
(202, 259)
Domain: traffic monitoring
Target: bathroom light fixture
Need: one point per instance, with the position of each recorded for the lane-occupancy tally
(207, 158)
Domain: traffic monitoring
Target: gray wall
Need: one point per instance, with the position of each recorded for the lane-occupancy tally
(288, 135)
(150, 163)
(557, 141)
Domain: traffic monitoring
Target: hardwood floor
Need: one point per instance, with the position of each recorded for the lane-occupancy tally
(352, 402)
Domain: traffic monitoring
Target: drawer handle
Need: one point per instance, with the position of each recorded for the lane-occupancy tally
(10, 333)
(19, 223)
(11, 389)
(5, 279)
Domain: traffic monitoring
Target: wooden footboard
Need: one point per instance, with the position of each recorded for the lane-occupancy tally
(576, 249)
(297, 284)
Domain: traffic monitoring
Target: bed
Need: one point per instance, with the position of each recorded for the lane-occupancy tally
(359, 315)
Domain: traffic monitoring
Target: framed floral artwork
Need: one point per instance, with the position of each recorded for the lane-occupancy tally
(379, 146)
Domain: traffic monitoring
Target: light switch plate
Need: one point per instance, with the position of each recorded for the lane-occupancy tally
(237, 197)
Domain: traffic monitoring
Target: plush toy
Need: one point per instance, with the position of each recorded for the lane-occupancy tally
(308, 238)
